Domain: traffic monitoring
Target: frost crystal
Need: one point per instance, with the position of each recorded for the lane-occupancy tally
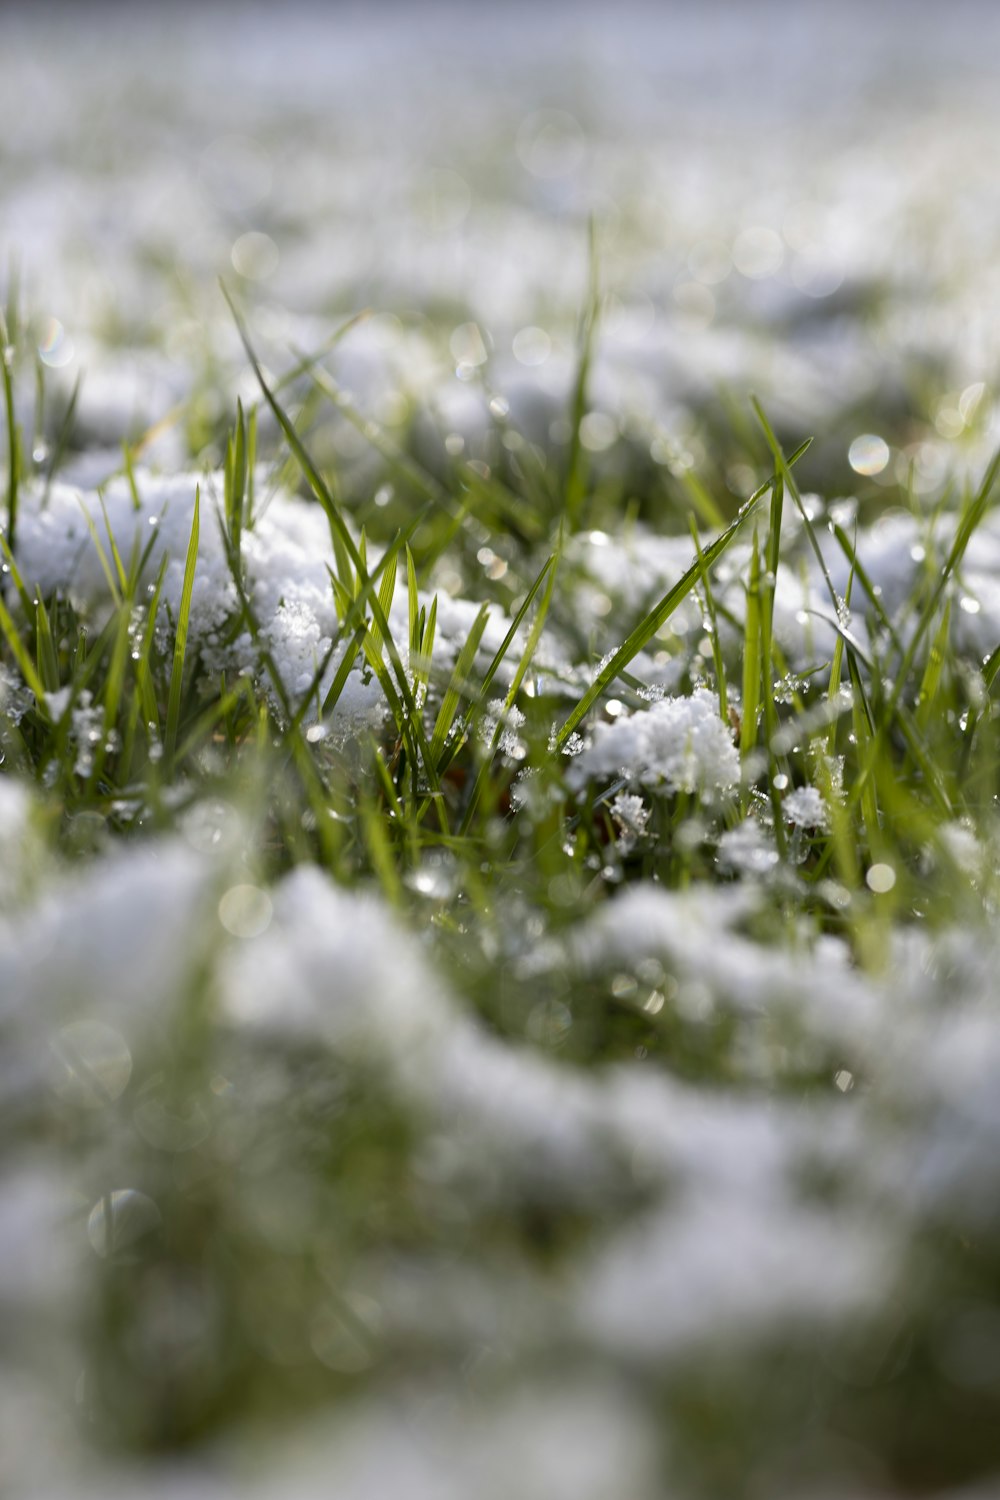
(632, 815)
(806, 808)
(511, 719)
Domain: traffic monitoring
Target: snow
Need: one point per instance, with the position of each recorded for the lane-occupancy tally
(677, 745)
(181, 1022)
(805, 806)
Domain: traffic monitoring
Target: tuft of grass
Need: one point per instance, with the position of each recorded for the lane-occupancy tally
(487, 843)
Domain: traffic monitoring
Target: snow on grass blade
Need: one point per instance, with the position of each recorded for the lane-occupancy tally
(661, 612)
(531, 645)
(410, 723)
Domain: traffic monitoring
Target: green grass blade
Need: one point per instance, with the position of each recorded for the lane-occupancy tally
(531, 645)
(413, 600)
(931, 680)
(181, 635)
(409, 723)
(45, 648)
(23, 657)
(63, 436)
(458, 686)
(387, 589)
(576, 463)
(504, 647)
(661, 612)
(13, 432)
(718, 660)
(783, 466)
(343, 671)
(750, 708)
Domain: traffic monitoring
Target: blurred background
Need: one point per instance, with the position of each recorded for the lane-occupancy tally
(799, 200)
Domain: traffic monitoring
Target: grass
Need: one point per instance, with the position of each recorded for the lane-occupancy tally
(461, 808)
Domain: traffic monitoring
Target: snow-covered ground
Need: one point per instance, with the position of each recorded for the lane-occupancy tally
(280, 1214)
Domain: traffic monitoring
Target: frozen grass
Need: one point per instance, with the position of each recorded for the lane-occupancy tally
(682, 1072)
(498, 871)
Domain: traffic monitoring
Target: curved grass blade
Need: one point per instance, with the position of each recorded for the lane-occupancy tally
(457, 686)
(410, 724)
(502, 650)
(181, 636)
(522, 667)
(661, 612)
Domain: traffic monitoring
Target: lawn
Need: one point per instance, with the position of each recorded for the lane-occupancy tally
(499, 855)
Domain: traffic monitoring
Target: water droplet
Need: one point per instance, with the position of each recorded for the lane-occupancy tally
(210, 827)
(549, 1023)
(467, 347)
(255, 256)
(758, 252)
(166, 1129)
(868, 454)
(55, 348)
(119, 1221)
(92, 1064)
(531, 345)
(550, 143)
(245, 911)
(598, 431)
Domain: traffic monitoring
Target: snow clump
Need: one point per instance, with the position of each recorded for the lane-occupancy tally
(677, 744)
(806, 809)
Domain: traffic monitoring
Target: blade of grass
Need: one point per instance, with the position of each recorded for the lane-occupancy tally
(411, 724)
(531, 645)
(717, 657)
(931, 680)
(23, 658)
(13, 433)
(181, 633)
(458, 684)
(501, 654)
(661, 612)
(45, 649)
(62, 436)
(576, 462)
(750, 707)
